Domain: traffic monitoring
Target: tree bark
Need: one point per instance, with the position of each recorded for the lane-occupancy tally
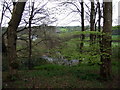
(12, 36)
(99, 20)
(105, 69)
(99, 16)
(30, 38)
(30, 46)
(4, 48)
(82, 23)
(92, 22)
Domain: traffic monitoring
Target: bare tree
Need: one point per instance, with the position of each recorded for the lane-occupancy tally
(80, 10)
(34, 19)
(30, 40)
(5, 10)
(4, 50)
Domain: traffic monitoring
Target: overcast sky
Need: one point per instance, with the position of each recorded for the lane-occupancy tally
(65, 17)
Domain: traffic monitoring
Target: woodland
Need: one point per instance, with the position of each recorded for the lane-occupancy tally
(36, 53)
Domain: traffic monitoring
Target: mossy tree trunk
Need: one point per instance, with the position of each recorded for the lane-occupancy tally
(105, 69)
(12, 36)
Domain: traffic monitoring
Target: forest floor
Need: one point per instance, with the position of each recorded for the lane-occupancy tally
(57, 76)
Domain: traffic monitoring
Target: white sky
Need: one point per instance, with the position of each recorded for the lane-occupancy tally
(70, 20)
(74, 17)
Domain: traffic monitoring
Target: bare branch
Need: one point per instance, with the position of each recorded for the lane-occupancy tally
(72, 4)
(32, 45)
(22, 39)
(87, 7)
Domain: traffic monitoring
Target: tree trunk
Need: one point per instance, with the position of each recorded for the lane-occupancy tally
(12, 36)
(105, 69)
(92, 21)
(99, 16)
(30, 38)
(30, 46)
(4, 48)
(82, 23)
(99, 20)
